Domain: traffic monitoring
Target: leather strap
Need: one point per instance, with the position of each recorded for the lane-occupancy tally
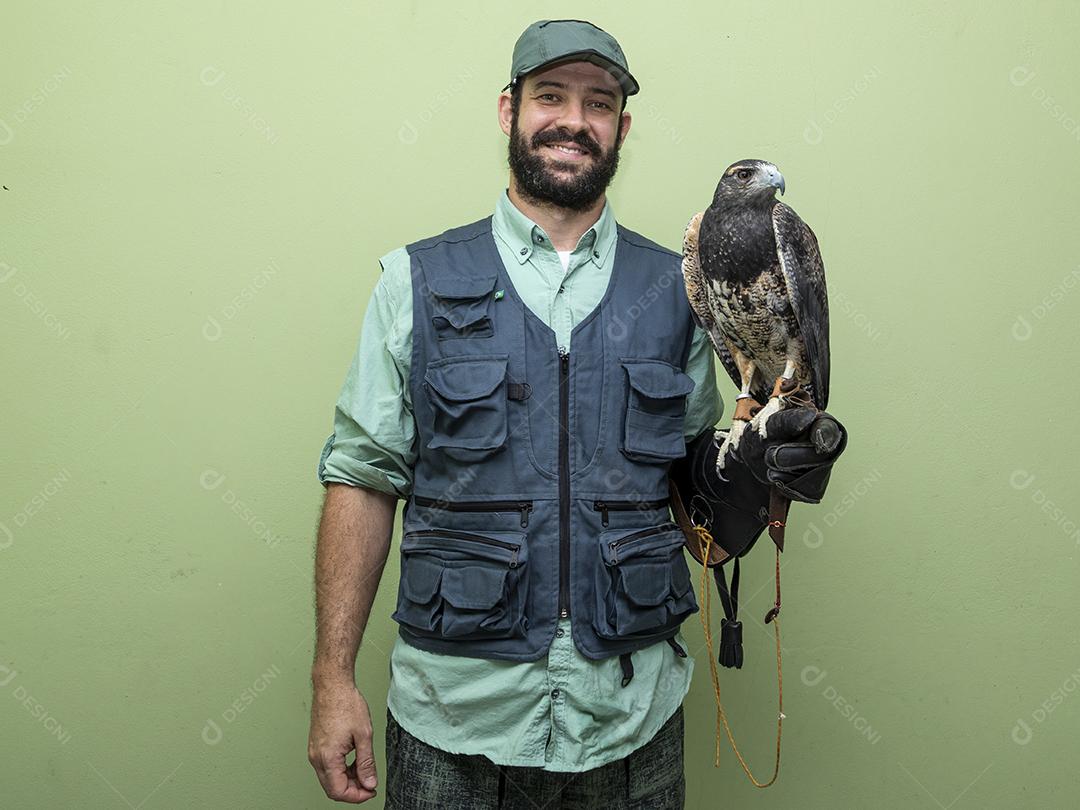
(778, 512)
(627, 668)
(676, 646)
(728, 598)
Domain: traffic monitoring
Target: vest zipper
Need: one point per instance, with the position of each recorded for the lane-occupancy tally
(603, 507)
(524, 507)
(564, 483)
(615, 545)
(479, 538)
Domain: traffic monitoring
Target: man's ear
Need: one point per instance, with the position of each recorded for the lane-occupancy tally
(624, 127)
(506, 114)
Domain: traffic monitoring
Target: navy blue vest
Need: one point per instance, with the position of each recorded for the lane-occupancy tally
(540, 488)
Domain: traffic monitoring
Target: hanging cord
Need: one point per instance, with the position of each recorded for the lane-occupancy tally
(706, 539)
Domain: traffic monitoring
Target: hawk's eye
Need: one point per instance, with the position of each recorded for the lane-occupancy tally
(743, 174)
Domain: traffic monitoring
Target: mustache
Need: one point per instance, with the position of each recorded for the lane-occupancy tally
(563, 135)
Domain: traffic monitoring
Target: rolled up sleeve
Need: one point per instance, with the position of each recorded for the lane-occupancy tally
(704, 407)
(372, 444)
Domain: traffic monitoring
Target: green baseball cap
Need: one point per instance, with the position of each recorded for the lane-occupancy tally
(548, 41)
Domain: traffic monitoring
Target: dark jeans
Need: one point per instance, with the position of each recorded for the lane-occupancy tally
(421, 777)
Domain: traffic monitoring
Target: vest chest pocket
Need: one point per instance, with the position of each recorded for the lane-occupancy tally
(468, 396)
(463, 585)
(643, 586)
(655, 406)
(460, 306)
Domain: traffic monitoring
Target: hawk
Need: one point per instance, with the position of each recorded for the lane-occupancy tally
(756, 285)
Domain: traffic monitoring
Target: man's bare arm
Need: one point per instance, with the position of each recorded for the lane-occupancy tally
(353, 543)
(351, 551)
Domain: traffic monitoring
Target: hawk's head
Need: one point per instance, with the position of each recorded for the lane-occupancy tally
(749, 181)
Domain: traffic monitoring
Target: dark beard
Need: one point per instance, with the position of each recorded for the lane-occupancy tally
(535, 181)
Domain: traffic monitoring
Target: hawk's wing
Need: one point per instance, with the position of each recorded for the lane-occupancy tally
(699, 293)
(804, 275)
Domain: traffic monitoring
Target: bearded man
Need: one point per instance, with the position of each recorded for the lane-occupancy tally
(524, 383)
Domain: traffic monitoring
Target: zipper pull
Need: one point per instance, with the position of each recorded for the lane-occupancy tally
(525, 508)
(602, 506)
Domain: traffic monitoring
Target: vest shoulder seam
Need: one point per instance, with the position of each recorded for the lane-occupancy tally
(636, 239)
(462, 233)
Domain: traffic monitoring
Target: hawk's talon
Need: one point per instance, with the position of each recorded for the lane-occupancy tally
(761, 418)
(731, 442)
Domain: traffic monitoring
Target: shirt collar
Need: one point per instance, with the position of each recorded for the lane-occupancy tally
(522, 235)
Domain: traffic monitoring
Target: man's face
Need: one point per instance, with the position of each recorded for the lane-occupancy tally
(565, 135)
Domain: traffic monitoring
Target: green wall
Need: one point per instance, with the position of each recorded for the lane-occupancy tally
(195, 198)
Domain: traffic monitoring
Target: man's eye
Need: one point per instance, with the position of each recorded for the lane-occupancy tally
(551, 96)
(602, 104)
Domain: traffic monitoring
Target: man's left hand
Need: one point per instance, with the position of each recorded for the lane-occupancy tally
(733, 503)
(798, 455)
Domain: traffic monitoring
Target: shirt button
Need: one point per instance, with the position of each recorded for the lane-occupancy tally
(596, 254)
(560, 288)
(524, 251)
(539, 239)
(559, 632)
(554, 694)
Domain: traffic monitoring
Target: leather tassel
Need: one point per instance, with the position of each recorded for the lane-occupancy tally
(731, 652)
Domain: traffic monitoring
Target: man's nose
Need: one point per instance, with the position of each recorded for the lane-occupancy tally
(572, 116)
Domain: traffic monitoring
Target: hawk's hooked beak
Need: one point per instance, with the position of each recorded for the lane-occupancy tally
(775, 179)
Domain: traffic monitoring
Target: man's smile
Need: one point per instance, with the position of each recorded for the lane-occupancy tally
(568, 151)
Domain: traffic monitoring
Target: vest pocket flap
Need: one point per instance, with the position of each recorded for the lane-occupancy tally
(462, 286)
(647, 583)
(420, 578)
(474, 587)
(462, 315)
(657, 379)
(463, 379)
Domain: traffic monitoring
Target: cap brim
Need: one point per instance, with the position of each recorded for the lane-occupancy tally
(627, 82)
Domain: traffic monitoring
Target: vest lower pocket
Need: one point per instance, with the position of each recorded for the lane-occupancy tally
(643, 586)
(462, 585)
(468, 396)
(655, 407)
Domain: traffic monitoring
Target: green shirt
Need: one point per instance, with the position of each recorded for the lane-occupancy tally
(564, 712)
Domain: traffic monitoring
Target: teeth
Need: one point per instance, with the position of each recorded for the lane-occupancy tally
(568, 150)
